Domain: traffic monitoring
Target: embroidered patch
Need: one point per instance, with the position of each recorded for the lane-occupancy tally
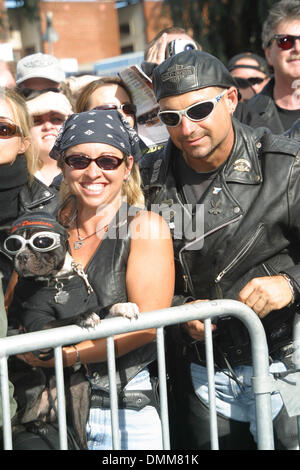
(177, 73)
(242, 165)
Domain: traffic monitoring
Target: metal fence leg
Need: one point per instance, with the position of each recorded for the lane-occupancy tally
(296, 356)
(211, 385)
(7, 435)
(162, 376)
(61, 404)
(110, 345)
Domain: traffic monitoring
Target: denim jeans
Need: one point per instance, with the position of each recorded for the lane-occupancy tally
(139, 430)
(233, 400)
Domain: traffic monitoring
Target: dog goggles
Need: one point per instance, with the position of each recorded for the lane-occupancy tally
(195, 112)
(41, 241)
(104, 162)
(285, 41)
(127, 108)
(8, 130)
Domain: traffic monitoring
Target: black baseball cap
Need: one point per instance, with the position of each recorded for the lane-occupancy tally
(262, 63)
(188, 71)
(38, 220)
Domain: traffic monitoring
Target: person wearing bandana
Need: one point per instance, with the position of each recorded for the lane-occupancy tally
(126, 253)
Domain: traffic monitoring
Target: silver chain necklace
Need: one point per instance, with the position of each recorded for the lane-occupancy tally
(80, 240)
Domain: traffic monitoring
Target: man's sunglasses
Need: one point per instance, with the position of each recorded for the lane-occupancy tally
(104, 162)
(255, 80)
(285, 41)
(8, 130)
(246, 82)
(195, 112)
(29, 93)
(41, 241)
(127, 108)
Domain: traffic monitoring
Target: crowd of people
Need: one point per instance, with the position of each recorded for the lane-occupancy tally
(73, 163)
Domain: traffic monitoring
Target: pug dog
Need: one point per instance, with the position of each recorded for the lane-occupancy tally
(39, 247)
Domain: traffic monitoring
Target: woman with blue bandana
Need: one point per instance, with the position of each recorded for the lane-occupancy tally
(127, 255)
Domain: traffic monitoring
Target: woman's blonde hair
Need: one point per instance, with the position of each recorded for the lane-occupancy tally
(82, 103)
(131, 190)
(22, 120)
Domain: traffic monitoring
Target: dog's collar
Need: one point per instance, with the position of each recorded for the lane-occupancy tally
(52, 281)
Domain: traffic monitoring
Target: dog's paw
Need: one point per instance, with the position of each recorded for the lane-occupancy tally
(126, 310)
(88, 320)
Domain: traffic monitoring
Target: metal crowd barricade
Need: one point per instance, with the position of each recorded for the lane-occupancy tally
(58, 337)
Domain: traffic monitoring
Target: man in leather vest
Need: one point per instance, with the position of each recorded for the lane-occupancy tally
(240, 188)
(277, 106)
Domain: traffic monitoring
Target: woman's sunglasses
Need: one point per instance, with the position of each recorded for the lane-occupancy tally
(196, 112)
(127, 108)
(41, 241)
(8, 130)
(285, 41)
(104, 162)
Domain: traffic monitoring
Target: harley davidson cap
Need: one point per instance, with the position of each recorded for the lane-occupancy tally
(188, 71)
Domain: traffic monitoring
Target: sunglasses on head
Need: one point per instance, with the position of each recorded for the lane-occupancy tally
(104, 162)
(8, 129)
(41, 241)
(195, 112)
(285, 41)
(127, 108)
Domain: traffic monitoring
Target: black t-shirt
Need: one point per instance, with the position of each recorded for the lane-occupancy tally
(193, 183)
(288, 116)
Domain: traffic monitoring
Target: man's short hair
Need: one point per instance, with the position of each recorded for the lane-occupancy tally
(285, 10)
(189, 71)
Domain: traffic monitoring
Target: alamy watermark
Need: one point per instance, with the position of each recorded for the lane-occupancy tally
(186, 222)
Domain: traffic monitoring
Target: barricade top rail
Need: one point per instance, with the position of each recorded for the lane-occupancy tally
(205, 311)
(109, 327)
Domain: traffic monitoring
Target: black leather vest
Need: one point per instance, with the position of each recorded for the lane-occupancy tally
(111, 260)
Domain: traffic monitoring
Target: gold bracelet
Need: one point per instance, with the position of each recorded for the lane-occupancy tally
(77, 354)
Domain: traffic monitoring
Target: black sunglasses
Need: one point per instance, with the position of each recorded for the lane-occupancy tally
(29, 93)
(255, 80)
(104, 162)
(8, 130)
(195, 112)
(285, 41)
(246, 82)
(127, 108)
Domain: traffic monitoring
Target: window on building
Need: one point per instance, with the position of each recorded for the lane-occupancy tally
(125, 29)
(126, 49)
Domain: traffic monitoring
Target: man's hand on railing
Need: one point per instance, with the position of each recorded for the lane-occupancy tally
(195, 328)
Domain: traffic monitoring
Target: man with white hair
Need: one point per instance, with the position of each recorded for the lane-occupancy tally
(277, 106)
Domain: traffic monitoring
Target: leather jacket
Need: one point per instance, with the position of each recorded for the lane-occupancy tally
(33, 196)
(261, 111)
(251, 228)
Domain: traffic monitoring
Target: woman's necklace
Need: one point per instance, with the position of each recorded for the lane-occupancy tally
(80, 241)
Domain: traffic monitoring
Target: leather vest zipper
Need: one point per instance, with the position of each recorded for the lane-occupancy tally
(240, 255)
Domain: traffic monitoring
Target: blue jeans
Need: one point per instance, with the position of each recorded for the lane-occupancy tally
(139, 430)
(233, 400)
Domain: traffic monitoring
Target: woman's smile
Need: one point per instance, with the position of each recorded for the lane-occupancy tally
(93, 188)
